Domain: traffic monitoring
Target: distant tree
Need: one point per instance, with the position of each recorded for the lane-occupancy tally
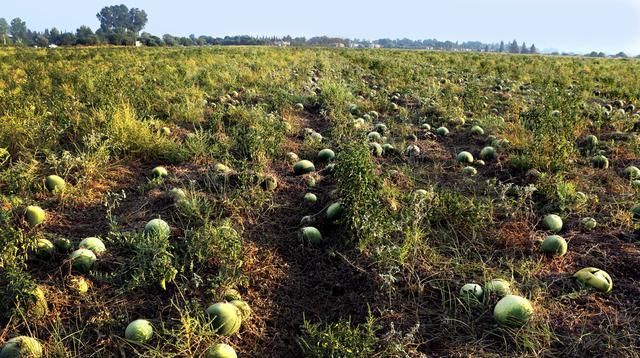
(524, 48)
(18, 30)
(85, 36)
(602, 54)
(67, 39)
(54, 36)
(169, 40)
(4, 30)
(185, 41)
(40, 40)
(621, 55)
(486, 48)
(513, 47)
(119, 25)
(501, 49)
(533, 49)
(150, 40)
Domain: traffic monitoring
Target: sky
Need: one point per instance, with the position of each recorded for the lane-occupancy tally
(567, 25)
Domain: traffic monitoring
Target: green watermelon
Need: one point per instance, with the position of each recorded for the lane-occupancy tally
(464, 157)
(488, 153)
(139, 331)
(34, 215)
(442, 131)
(226, 318)
(334, 211)
(589, 223)
(477, 130)
(470, 171)
(310, 197)
(44, 248)
(471, 292)
(375, 149)
(498, 287)
(21, 347)
(159, 172)
(513, 310)
(310, 234)
(303, 167)
(157, 227)
(600, 161)
(595, 278)
(326, 155)
(554, 245)
(54, 183)
(82, 260)
(221, 350)
(552, 223)
(94, 244)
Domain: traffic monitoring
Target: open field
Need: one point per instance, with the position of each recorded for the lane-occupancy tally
(416, 221)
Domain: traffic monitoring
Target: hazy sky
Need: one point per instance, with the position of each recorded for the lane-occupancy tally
(568, 25)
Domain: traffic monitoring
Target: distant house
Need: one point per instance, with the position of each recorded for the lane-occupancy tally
(338, 45)
(375, 46)
(282, 43)
(53, 46)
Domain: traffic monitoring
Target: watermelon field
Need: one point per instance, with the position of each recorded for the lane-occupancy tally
(265, 202)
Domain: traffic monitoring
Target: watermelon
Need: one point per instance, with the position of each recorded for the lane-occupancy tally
(470, 171)
(44, 248)
(159, 172)
(412, 150)
(243, 307)
(595, 278)
(442, 131)
(464, 157)
(334, 211)
(552, 223)
(94, 244)
(79, 285)
(589, 223)
(139, 331)
(158, 228)
(513, 310)
(591, 141)
(176, 195)
(326, 155)
(292, 157)
(310, 197)
(381, 128)
(310, 234)
(231, 294)
(632, 172)
(82, 260)
(488, 153)
(375, 149)
(554, 245)
(374, 137)
(600, 161)
(21, 346)
(471, 292)
(54, 183)
(34, 215)
(303, 167)
(226, 318)
(62, 244)
(477, 130)
(221, 350)
(498, 287)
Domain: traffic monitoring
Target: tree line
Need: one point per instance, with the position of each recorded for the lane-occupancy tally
(122, 26)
